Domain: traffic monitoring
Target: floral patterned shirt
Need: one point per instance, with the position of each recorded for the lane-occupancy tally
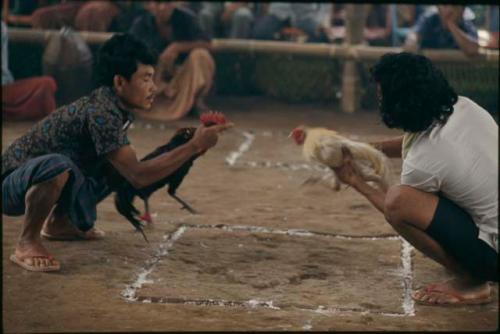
(85, 131)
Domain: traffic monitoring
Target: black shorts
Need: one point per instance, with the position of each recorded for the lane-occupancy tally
(455, 231)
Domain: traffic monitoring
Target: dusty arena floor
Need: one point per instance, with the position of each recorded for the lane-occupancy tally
(265, 253)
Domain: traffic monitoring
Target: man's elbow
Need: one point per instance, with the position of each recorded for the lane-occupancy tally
(207, 45)
(137, 181)
(471, 51)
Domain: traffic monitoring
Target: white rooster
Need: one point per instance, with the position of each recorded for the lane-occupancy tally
(325, 147)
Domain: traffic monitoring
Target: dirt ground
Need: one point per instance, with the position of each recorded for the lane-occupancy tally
(265, 253)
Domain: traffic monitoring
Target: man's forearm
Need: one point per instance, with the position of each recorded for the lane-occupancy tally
(390, 147)
(150, 171)
(375, 196)
(184, 47)
(412, 42)
(468, 45)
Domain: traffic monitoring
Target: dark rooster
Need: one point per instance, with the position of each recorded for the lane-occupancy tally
(125, 192)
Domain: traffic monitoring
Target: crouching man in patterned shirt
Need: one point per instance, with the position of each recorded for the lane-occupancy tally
(49, 174)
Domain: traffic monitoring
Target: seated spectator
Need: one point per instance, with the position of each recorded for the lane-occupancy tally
(185, 69)
(96, 15)
(377, 31)
(381, 30)
(18, 12)
(24, 99)
(493, 27)
(336, 31)
(80, 15)
(306, 19)
(129, 12)
(56, 16)
(402, 19)
(22, 7)
(448, 27)
(234, 18)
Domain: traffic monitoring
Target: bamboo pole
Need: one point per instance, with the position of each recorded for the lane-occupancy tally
(355, 22)
(38, 36)
(353, 52)
(5, 10)
(277, 47)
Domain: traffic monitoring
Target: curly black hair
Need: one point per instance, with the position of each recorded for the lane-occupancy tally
(414, 93)
(120, 55)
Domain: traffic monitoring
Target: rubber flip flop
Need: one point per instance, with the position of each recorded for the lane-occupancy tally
(459, 299)
(96, 235)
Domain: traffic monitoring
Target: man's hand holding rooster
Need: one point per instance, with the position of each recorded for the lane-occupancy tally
(347, 172)
(206, 137)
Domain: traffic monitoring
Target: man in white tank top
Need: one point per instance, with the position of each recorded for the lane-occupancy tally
(447, 203)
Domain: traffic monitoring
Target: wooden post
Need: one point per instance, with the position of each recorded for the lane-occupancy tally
(355, 23)
(5, 10)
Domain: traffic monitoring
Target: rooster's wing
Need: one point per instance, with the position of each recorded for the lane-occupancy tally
(328, 151)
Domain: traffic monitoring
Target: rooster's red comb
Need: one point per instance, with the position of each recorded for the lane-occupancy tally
(212, 118)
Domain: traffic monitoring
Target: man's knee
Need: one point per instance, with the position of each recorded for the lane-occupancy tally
(46, 192)
(62, 165)
(59, 181)
(201, 57)
(393, 205)
(55, 184)
(197, 53)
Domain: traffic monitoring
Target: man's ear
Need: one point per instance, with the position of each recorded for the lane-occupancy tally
(118, 83)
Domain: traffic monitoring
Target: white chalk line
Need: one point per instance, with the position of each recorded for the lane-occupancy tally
(149, 126)
(286, 166)
(130, 292)
(252, 303)
(408, 303)
(292, 232)
(245, 146)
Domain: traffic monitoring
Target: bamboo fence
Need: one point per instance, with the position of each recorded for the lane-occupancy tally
(351, 52)
(356, 52)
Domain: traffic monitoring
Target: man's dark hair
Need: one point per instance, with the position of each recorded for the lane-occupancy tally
(415, 93)
(120, 55)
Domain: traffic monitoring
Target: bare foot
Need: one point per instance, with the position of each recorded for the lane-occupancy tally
(31, 255)
(60, 228)
(454, 292)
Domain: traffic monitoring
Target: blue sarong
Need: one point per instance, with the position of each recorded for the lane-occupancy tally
(79, 197)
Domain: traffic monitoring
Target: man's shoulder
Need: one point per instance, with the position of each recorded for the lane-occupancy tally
(102, 99)
(465, 105)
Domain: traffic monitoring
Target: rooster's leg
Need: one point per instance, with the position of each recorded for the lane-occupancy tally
(184, 204)
(146, 216)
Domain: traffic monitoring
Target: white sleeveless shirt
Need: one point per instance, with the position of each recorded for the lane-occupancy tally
(460, 160)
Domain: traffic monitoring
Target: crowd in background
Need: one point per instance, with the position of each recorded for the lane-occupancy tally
(386, 24)
(181, 33)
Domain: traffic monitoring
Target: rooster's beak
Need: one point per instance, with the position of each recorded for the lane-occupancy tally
(290, 134)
